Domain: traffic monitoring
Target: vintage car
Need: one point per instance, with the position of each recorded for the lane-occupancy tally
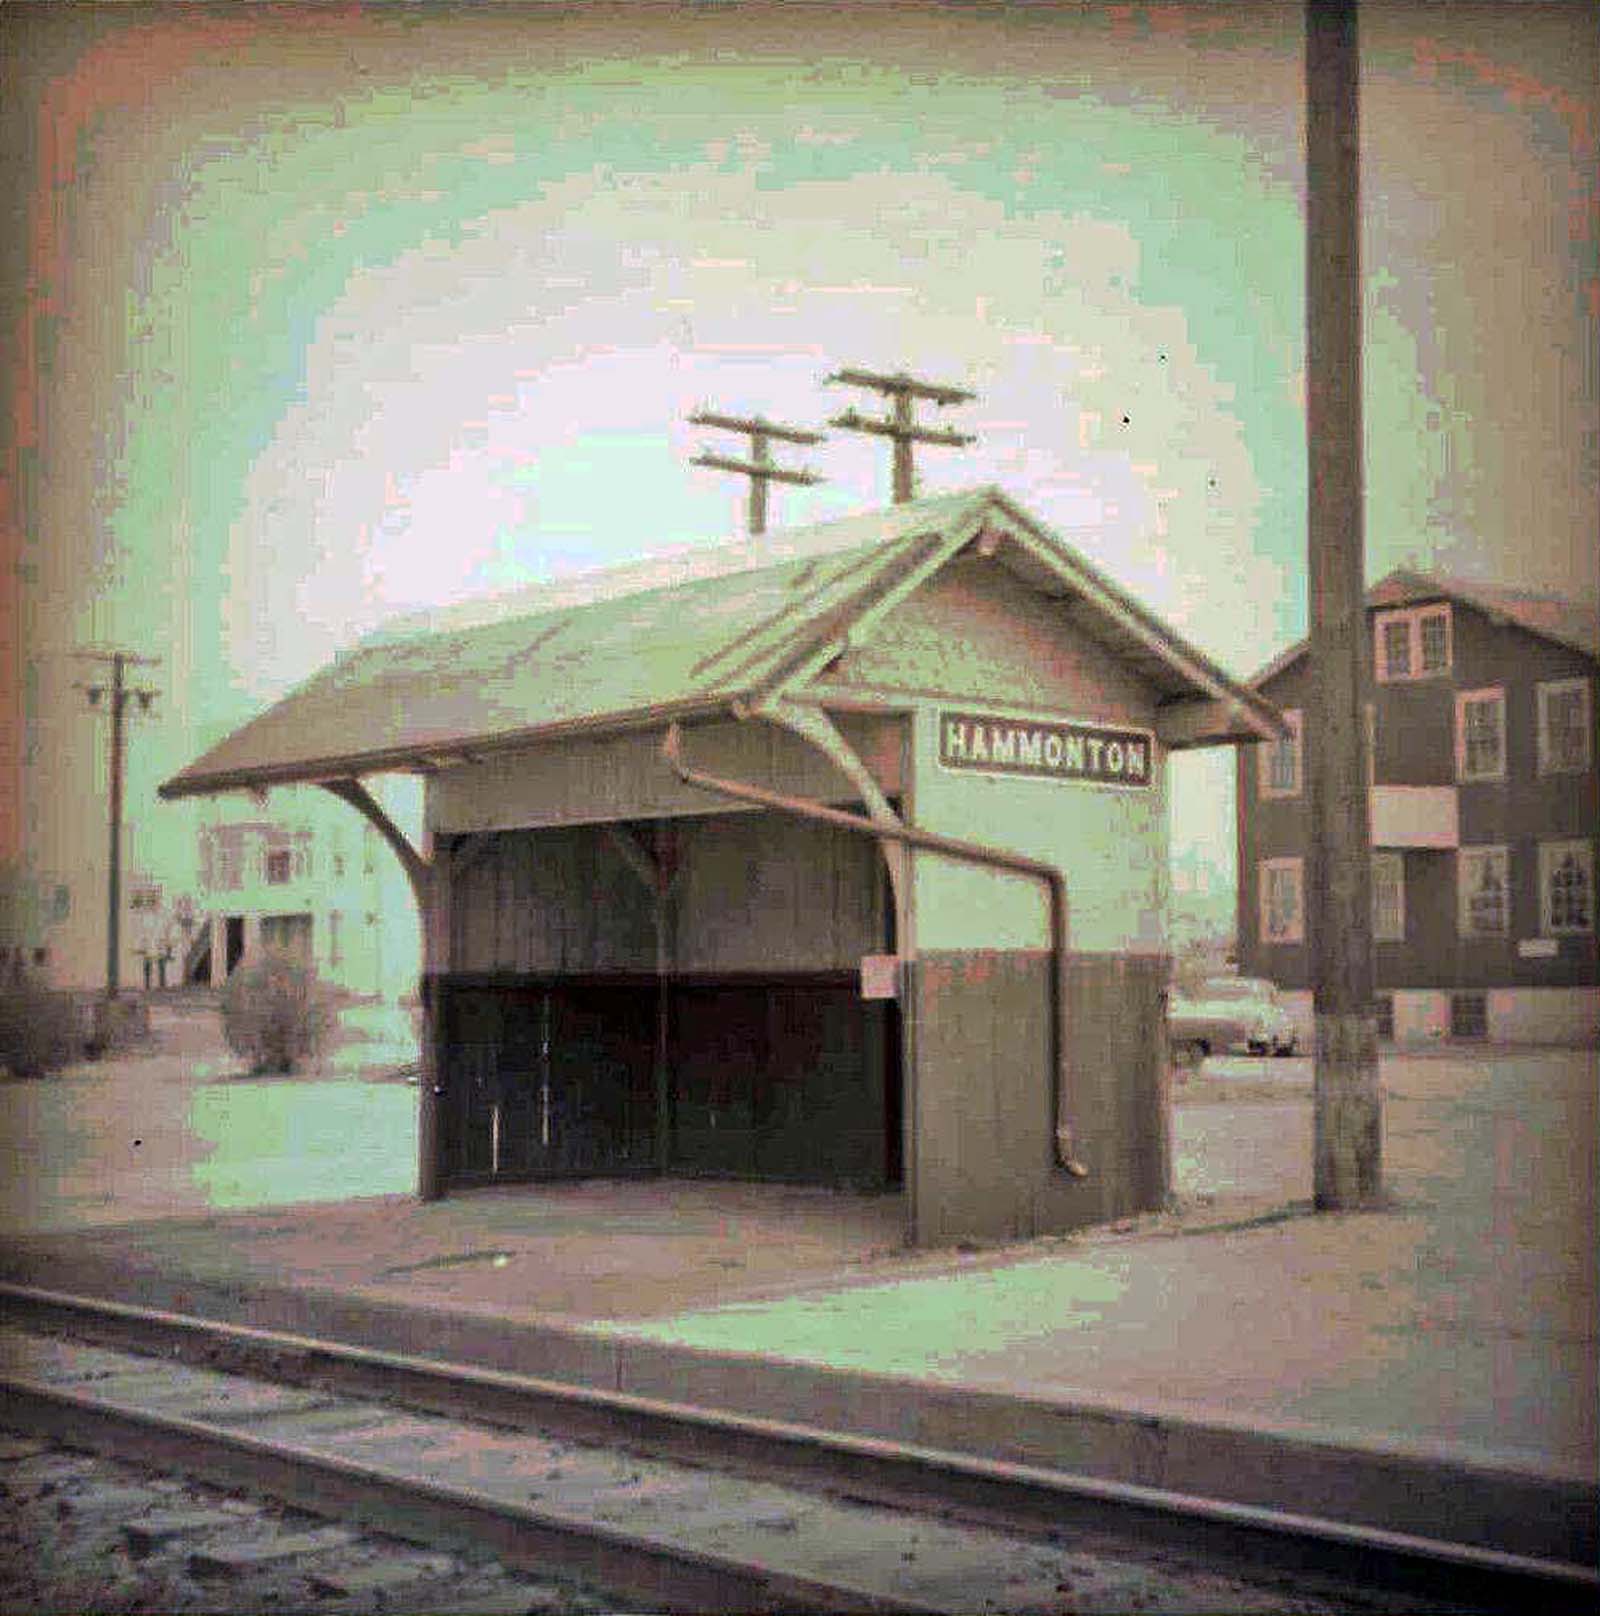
(1229, 1011)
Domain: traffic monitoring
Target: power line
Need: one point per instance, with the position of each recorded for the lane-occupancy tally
(902, 426)
(759, 468)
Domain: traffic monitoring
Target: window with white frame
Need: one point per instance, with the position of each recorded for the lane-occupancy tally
(1394, 647)
(1566, 888)
(1433, 640)
(1388, 897)
(1280, 761)
(1565, 727)
(278, 866)
(1483, 885)
(1283, 900)
(1412, 644)
(1481, 735)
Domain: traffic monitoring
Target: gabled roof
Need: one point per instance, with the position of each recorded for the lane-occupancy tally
(627, 648)
(1572, 623)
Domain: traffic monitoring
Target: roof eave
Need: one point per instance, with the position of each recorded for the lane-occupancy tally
(1207, 682)
(430, 756)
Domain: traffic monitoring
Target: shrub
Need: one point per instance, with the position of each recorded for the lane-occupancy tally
(274, 1014)
(39, 1028)
(114, 1026)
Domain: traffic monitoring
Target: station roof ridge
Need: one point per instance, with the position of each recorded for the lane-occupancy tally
(1573, 622)
(591, 657)
(676, 567)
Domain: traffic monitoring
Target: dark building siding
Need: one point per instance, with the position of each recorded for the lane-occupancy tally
(985, 1149)
(1415, 745)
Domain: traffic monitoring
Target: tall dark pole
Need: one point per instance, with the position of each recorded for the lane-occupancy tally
(1347, 1147)
(114, 910)
(121, 693)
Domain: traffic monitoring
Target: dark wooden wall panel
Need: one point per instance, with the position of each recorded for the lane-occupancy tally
(984, 1161)
(780, 1081)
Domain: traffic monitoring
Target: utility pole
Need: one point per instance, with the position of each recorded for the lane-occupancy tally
(902, 426)
(1348, 1112)
(759, 467)
(120, 693)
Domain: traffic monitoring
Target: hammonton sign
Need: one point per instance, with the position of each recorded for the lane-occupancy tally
(1091, 752)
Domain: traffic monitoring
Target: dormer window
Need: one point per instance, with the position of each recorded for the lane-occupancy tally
(1412, 644)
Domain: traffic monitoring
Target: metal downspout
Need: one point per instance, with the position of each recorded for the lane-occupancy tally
(950, 847)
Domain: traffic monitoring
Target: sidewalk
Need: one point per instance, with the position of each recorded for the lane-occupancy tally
(1425, 1366)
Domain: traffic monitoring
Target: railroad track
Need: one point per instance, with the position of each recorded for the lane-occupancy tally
(687, 1508)
(87, 1533)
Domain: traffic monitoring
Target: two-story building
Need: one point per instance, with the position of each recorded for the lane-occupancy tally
(1484, 803)
(303, 882)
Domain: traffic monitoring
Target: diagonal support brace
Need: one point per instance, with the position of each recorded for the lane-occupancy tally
(418, 869)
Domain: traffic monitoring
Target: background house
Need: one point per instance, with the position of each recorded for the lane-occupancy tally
(1485, 798)
(309, 880)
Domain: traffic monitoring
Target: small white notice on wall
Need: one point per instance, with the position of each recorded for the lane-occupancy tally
(1538, 948)
(880, 976)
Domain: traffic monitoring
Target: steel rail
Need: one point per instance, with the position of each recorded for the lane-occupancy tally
(378, 1497)
(1022, 1498)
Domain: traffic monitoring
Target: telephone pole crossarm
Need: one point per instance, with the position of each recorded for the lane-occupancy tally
(853, 421)
(750, 468)
(753, 424)
(911, 386)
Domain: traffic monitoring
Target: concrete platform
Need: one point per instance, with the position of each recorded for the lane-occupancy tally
(1430, 1367)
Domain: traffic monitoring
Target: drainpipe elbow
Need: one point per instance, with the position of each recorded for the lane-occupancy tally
(1065, 1156)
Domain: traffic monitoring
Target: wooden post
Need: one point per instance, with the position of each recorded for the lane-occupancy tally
(904, 478)
(432, 893)
(661, 1074)
(120, 693)
(1347, 1148)
(114, 901)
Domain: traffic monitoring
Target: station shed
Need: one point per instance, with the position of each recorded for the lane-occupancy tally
(837, 857)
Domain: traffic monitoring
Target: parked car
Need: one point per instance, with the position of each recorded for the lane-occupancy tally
(1230, 1011)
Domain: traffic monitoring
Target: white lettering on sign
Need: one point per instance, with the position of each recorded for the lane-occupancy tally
(1098, 753)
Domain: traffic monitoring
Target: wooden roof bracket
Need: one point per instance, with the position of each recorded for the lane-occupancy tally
(952, 847)
(431, 911)
(419, 870)
(811, 723)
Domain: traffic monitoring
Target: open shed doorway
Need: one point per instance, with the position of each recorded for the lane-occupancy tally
(752, 1055)
(781, 1070)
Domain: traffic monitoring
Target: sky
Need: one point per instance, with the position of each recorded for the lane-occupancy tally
(315, 316)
